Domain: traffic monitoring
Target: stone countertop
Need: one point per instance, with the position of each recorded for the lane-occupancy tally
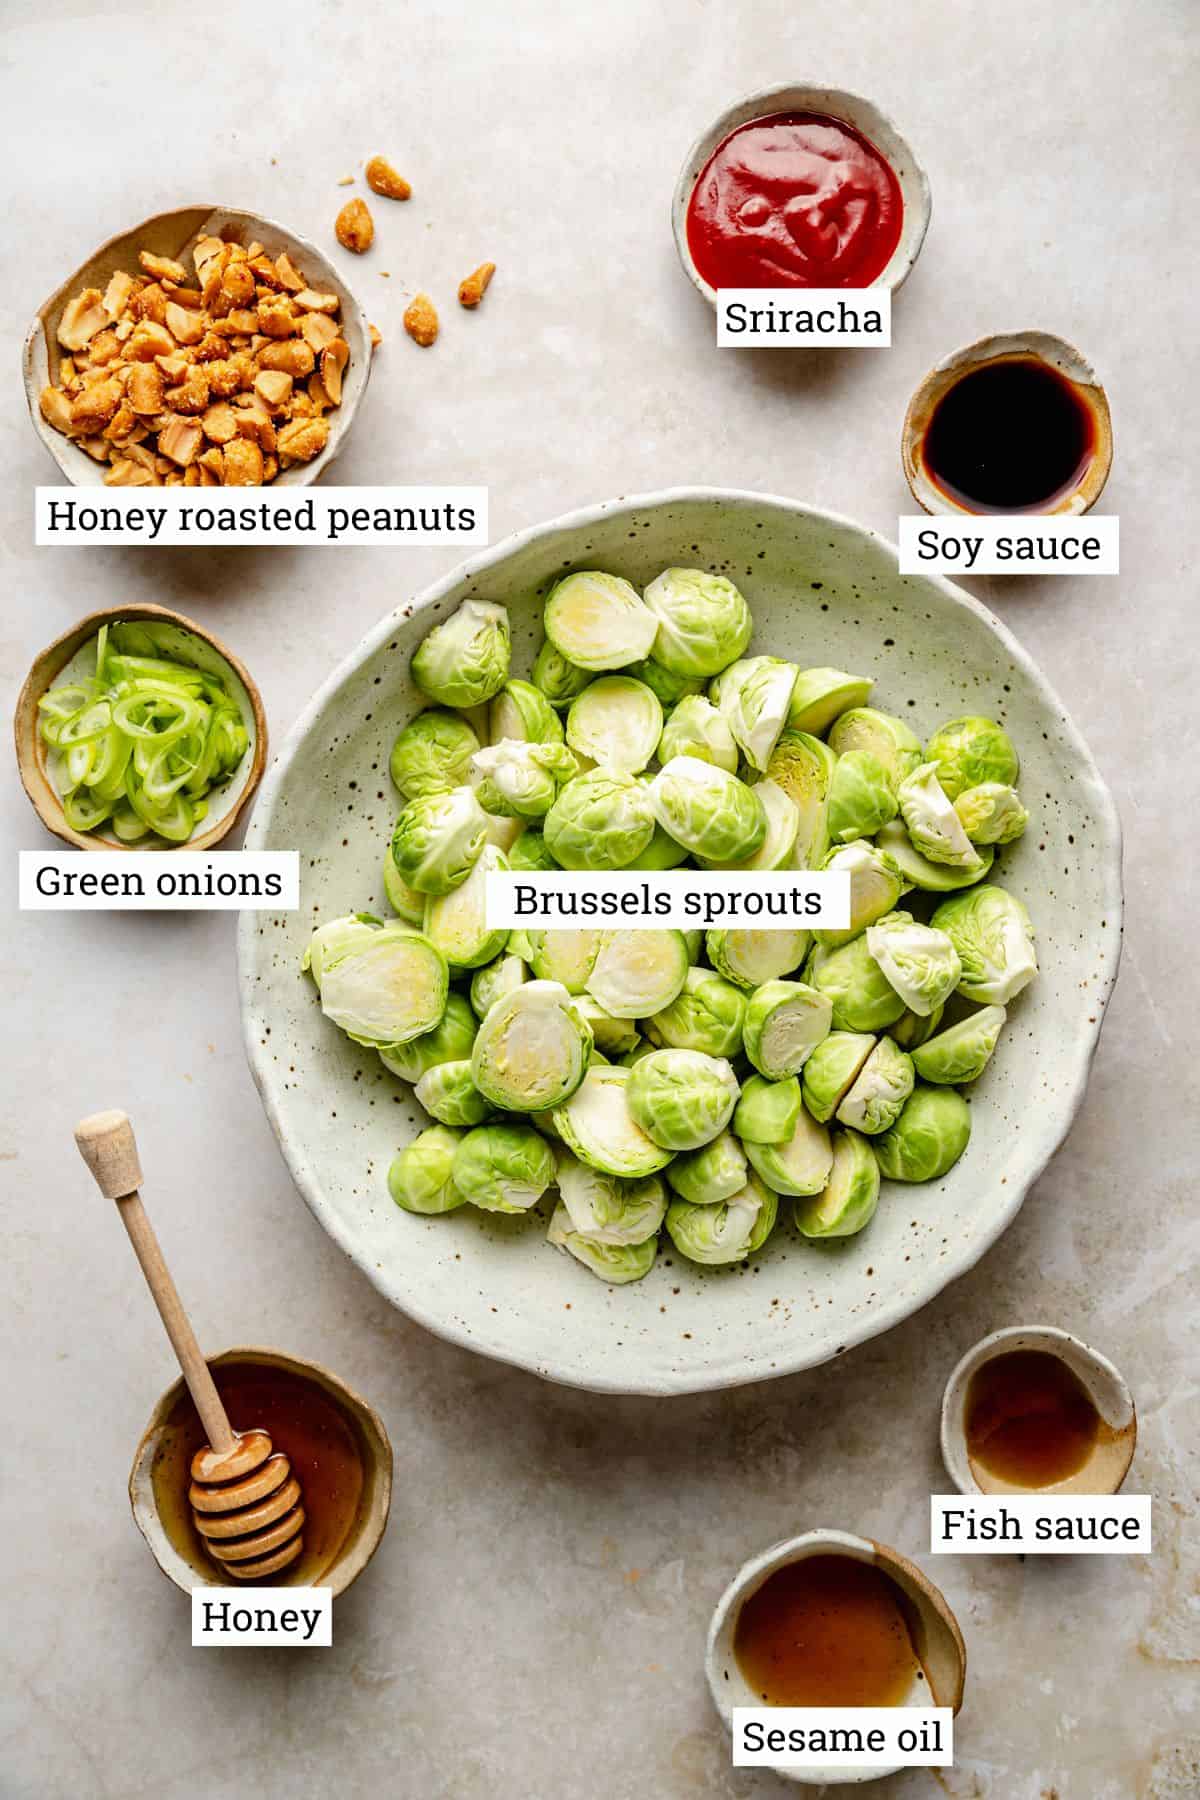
(533, 1624)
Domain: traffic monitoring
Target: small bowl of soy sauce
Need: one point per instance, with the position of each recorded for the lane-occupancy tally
(1016, 423)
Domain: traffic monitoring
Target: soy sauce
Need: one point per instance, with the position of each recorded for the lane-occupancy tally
(1010, 436)
(828, 1631)
(1029, 1419)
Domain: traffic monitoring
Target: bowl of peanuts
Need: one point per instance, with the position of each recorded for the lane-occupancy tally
(206, 347)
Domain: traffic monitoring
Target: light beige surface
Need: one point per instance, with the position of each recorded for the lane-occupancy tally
(534, 1622)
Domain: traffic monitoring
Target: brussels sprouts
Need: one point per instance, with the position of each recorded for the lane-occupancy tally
(754, 695)
(438, 839)
(607, 1209)
(911, 1029)
(559, 680)
(696, 728)
(768, 1111)
(522, 711)
(638, 972)
(530, 851)
(894, 843)
(874, 889)
(713, 814)
(464, 660)
(503, 1168)
(863, 997)
(748, 958)
(447, 1092)
(421, 1178)
(962, 1051)
(919, 962)
(450, 1040)
(882, 735)
(880, 1089)
(457, 923)
(832, 1070)
(968, 752)
(933, 825)
(614, 1037)
(851, 1195)
(616, 721)
(601, 820)
(706, 1015)
(778, 848)
(727, 1232)
(403, 900)
(519, 780)
(682, 1098)
(821, 695)
(803, 767)
(670, 688)
(785, 1021)
(711, 1174)
(614, 1263)
(860, 797)
(597, 1125)
(598, 621)
(662, 852)
(929, 1136)
(502, 832)
(992, 933)
(384, 986)
(798, 1165)
(532, 1048)
(565, 956)
(991, 813)
(432, 754)
(519, 945)
(704, 623)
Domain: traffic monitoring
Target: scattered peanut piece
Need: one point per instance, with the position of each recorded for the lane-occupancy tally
(345, 181)
(354, 227)
(333, 364)
(376, 336)
(383, 179)
(421, 321)
(472, 290)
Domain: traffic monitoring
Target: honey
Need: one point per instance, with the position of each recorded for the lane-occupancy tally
(829, 1631)
(1029, 1420)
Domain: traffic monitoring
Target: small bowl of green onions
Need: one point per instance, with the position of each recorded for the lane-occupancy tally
(138, 730)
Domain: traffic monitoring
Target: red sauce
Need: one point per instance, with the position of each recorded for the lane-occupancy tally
(794, 200)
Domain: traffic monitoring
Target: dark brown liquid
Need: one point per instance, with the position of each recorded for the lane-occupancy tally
(1029, 1419)
(306, 1424)
(1011, 435)
(827, 1631)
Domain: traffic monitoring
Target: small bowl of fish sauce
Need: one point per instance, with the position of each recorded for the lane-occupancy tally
(1034, 1410)
(830, 1619)
(1017, 423)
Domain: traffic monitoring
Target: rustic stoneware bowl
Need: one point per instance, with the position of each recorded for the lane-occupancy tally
(1062, 357)
(936, 1636)
(174, 234)
(1108, 1465)
(823, 590)
(68, 656)
(851, 109)
(178, 1552)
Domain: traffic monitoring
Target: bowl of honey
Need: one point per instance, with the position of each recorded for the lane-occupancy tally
(1032, 1409)
(337, 1446)
(829, 1619)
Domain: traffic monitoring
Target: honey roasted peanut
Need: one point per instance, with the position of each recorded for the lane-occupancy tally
(354, 227)
(383, 179)
(421, 321)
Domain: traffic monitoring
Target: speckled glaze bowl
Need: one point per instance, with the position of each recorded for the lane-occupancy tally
(823, 590)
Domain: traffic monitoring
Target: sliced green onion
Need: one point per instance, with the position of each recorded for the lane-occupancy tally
(126, 824)
(83, 812)
(77, 763)
(90, 722)
(59, 706)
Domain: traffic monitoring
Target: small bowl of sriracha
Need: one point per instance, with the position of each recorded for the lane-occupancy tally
(800, 187)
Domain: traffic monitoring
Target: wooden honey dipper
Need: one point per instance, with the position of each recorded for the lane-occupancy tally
(245, 1501)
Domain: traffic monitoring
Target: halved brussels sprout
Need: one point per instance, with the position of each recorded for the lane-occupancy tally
(882, 735)
(822, 695)
(970, 751)
(851, 1195)
(863, 997)
(920, 962)
(933, 825)
(432, 754)
(614, 1263)
(754, 695)
(521, 710)
(929, 1136)
(447, 1092)
(566, 956)
(637, 973)
(601, 820)
(880, 1089)
(861, 798)
(911, 1029)
(962, 1051)
(616, 721)
(768, 1111)
(421, 1177)
(778, 848)
(748, 958)
(714, 1173)
(556, 678)
(708, 810)
(669, 687)
(874, 889)
(803, 767)
(991, 813)
(519, 945)
(438, 839)
(917, 871)
(704, 623)
(519, 780)
(832, 1070)
(382, 985)
(597, 1125)
(532, 1048)
(502, 832)
(696, 728)
(798, 1165)
(403, 900)
(598, 621)
(785, 1021)
(708, 1014)
(457, 922)
(606, 1208)
(614, 1037)
(682, 1098)
(530, 851)
(464, 660)
(993, 935)
(727, 1232)
(662, 852)
(450, 1040)
(494, 981)
(503, 1168)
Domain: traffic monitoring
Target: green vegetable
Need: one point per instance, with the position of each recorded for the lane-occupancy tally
(520, 710)
(929, 1136)
(566, 956)
(713, 814)
(450, 1040)
(915, 870)
(616, 721)
(532, 1048)
(882, 736)
(754, 696)
(768, 1111)
(933, 826)
(403, 900)
(748, 958)
(970, 751)
(727, 1232)
(519, 780)
(530, 851)
(607, 1209)
(919, 962)
(601, 820)
(556, 678)
(803, 767)
(464, 660)
(832, 1070)
(716, 1172)
(494, 980)
(704, 623)
(682, 1098)
(991, 813)
(433, 754)
(457, 922)
(879, 1090)
(785, 1021)
(447, 1093)
(598, 621)
(503, 1168)
(696, 728)
(962, 1051)
(993, 935)
(382, 985)
(799, 1164)
(778, 848)
(670, 688)
(614, 1263)
(638, 973)
(847, 1202)
(707, 1014)
(874, 889)
(820, 696)
(861, 797)
(438, 840)
(421, 1177)
(862, 996)
(597, 1124)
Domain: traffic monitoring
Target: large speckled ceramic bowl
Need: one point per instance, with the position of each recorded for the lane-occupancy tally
(823, 590)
